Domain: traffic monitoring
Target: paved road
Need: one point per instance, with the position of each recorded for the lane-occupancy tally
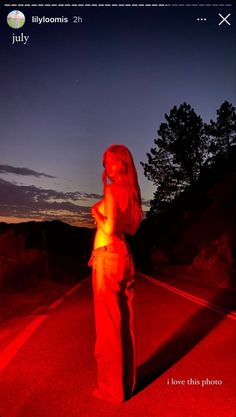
(48, 369)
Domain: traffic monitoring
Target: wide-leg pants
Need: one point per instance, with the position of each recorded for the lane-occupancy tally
(113, 286)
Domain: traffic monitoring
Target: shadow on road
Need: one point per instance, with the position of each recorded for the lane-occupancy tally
(179, 344)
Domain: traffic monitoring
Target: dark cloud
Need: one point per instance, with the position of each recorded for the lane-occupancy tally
(146, 203)
(7, 169)
(11, 192)
(42, 204)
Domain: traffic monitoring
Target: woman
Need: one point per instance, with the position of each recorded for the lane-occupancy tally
(119, 212)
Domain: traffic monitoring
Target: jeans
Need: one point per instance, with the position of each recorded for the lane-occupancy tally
(113, 286)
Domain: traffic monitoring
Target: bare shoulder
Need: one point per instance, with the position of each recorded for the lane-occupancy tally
(110, 193)
(118, 194)
(121, 196)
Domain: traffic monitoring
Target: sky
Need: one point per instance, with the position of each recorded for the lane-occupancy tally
(75, 88)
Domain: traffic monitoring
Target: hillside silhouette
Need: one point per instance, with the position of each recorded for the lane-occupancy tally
(35, 251)
(195, 235)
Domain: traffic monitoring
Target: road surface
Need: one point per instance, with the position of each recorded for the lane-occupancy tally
(185, 357)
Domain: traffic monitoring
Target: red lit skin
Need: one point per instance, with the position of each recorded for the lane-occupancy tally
(112, 216)
(114, 203)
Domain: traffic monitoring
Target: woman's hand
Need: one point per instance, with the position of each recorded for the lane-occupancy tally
(94, 209)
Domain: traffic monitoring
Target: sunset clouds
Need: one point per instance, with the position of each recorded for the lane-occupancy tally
(30, 202)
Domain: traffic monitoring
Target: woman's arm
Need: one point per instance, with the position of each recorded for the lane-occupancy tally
(107, 221)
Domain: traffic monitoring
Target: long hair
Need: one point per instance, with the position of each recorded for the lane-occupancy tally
(129, 181)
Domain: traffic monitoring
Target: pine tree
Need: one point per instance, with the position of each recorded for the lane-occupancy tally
(180, 154)
(222, 133)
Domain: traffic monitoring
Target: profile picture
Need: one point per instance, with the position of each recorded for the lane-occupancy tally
(16, 19)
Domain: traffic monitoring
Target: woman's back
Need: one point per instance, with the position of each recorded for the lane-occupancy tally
(122, 216)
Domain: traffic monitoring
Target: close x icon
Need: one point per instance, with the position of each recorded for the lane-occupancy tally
(224, 19)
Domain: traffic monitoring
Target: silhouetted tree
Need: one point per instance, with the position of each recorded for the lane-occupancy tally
(222, 133)
(181, 152)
